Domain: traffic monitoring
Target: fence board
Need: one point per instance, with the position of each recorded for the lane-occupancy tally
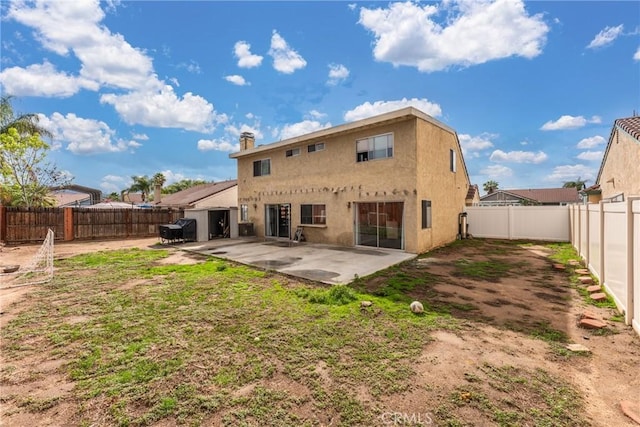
(22, 225)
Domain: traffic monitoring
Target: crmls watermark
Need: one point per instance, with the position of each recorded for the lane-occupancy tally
(406, 418)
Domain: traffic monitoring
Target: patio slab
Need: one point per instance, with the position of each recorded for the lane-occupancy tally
(323, 263)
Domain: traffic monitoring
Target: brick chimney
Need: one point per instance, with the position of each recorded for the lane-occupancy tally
(247, 141)
(157, 193)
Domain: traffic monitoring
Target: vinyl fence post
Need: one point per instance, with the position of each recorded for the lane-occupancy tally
(602, 243)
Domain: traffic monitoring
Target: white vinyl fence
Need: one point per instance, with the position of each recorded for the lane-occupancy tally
(607, 236)
(550, 223)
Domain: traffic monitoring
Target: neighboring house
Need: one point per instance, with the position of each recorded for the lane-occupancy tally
(528, 197)
(210, 195)
(132, 198)
(619, 175)
(397, 180)
(473, 196)
(75, 195)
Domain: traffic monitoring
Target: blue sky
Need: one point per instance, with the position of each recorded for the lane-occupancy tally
(135, 88)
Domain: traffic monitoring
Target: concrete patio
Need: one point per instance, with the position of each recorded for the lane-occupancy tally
(323, 263)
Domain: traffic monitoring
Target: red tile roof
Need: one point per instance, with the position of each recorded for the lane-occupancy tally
(631, 125)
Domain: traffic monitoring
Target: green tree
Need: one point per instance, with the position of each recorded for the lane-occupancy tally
(159, 179)
(490, 186)
(25, 175)
(142, 185)
(182, 185)
(114, 197)
(578, 184)
(24, 124)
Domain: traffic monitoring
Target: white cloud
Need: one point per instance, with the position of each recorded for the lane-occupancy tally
(192, 66)
(473, 33)
(367, 109)
(352, 6)
(569, 122)
(315, 114)
(471, 145)
(165, 109)
(591, 142)
(636, 56)
(237, 80)
(107, 60)
(337, 74)
(172, 177)
(242, 51)
(42, 80)
(112, 184)
(235, 130)
(85, 136)
(590, 155)
(605, 37)
(566, 173)
(217, 145)
(518, 156)
(301, 128)
(496, 171)
(140, 136)
(285, 59)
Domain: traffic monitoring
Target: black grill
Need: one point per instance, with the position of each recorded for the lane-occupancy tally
(183, 230)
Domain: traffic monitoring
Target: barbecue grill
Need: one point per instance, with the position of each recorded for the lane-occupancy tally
(183, 230)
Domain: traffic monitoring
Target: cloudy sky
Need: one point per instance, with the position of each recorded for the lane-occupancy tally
(134, 88)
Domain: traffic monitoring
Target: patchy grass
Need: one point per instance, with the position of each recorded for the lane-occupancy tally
(216, 343)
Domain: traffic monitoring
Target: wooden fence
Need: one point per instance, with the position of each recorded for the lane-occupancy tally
(28, 225)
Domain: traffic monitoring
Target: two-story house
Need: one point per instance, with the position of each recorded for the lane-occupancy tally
(397, 180)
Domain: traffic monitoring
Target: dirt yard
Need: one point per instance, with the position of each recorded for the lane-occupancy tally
(509, 318)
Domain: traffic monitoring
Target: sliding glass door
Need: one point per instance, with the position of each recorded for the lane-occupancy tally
(277, 220)
(379, 224)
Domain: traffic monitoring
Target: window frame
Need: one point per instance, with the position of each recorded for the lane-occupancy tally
(452, 160)
(318, 146)
(262, 162)
(315, 215)
(371, 149)
(427, 214)
(293, 152)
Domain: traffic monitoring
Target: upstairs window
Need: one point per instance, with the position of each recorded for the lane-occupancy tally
(313, 214)
(376, 147)
(293, 152)
(315, 147)
(262, 167)
(452, 160)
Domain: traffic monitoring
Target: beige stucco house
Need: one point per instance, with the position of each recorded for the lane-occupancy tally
(397, 180)
(619, 175)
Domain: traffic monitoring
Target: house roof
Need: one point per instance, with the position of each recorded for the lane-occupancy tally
(473, 189)
(631, 126)
(543, 195)
(68, 198)
(132, 198)
(390, 117)
(194, 194)
(393, 116)
(113, 205)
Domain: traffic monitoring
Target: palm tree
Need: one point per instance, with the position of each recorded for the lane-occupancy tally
(578, 184)
(141, 184)
(24, 123)
(490, 186)
(159, 179)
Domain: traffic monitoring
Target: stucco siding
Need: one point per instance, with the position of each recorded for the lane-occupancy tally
(620, 171)
(333, 177)
(447, 190)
